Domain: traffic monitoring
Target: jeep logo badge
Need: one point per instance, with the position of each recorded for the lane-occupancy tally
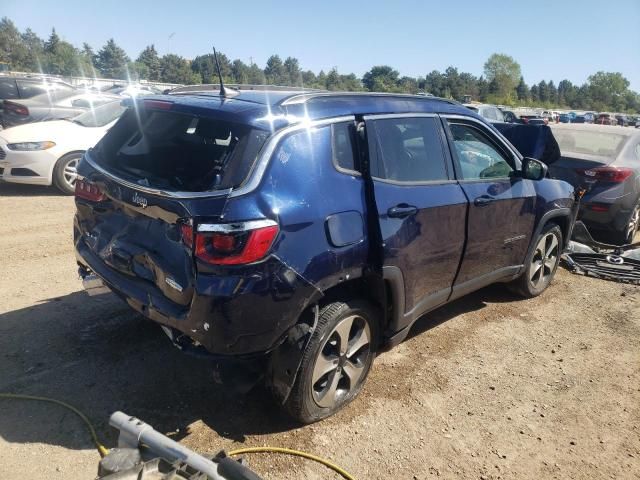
(139, 200)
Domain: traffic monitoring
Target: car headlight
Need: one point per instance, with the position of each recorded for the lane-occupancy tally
(30, 146)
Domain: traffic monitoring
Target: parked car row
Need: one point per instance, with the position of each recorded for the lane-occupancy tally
(496, 114)
(46, 125)
(47, 153)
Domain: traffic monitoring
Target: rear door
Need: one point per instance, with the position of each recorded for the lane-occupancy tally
(421, 208)
(501, 204)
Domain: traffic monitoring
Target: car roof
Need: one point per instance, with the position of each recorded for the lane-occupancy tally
(274, 108)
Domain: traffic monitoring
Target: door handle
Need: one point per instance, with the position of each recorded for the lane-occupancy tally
(483, 201)
(402, 210)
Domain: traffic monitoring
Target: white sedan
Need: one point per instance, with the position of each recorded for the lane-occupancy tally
(46, 153)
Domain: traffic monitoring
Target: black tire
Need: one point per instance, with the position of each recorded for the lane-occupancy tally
(539, 273)
(306, 402)
(61, 174)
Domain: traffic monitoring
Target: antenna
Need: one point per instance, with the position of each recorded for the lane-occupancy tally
(223, 91)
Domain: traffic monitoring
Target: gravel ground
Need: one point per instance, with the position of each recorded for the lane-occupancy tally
(488, 387)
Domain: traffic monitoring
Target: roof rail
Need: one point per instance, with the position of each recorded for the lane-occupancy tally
(304, 97)
(215, 87)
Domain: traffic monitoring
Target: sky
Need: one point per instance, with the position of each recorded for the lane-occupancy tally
(551, 39)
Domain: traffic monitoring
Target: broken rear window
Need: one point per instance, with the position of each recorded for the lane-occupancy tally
(179, 152)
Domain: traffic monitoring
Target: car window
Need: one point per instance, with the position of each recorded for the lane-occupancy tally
(409, 150)
(478, 156)
(30, 89)
(343, 146)
(100, 116)
(590, 142)
(8, 89)
(498, 114)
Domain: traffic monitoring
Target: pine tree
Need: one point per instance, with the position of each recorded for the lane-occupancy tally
(112, 60)
(51, 45)
(522, 90)
(151, 61)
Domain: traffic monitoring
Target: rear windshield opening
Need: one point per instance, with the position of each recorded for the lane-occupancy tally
(179, 152)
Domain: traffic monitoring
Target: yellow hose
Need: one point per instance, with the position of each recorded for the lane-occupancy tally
(102, 450)
(297, 453)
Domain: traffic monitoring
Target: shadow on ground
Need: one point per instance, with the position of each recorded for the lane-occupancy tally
(18, 190)
(100, 356)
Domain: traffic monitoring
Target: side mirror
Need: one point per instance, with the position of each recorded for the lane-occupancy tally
(533, 169)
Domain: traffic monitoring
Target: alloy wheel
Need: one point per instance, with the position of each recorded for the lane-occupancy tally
(70, 172)
(544, 260)
(341, 362)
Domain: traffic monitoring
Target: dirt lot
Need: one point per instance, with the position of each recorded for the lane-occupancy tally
(488, 387)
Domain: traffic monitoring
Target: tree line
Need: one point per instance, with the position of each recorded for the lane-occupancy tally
(501, 81)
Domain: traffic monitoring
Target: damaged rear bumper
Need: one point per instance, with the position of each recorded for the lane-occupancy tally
(239, 312)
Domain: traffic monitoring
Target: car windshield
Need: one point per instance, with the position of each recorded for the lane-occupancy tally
(590, 142)
(100, 116)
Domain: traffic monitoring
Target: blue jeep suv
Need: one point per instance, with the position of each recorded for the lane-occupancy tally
(305, 231)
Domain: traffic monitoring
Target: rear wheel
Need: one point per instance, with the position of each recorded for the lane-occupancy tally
(336, 361)
(65, 173)
(626, 236)
(543, 264)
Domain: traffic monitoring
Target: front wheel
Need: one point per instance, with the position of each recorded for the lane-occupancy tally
(542, 265)
(65, 173)
(336, 362)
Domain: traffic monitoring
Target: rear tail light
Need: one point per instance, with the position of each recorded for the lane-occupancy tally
(16, 108)
(89, 191)
(231, 244)
(157, 104)
(598, 207)
(607, 174)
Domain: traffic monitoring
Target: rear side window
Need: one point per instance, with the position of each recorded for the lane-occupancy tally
(30, 89)
(342, 140)
(409, 150)
(8, 89)
(179, 152)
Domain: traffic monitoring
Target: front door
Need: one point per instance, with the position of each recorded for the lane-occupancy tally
(501, 204)
(421, 207)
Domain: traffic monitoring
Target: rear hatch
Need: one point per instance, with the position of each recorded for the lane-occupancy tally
(147, 184)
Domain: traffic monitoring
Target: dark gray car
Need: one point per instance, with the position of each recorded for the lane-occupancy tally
(54, 105)
(606, 161)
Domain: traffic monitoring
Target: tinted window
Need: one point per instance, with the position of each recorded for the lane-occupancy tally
(477, 155)
(409, 150)
(8, 89)
(30, 89)
(342, 146)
